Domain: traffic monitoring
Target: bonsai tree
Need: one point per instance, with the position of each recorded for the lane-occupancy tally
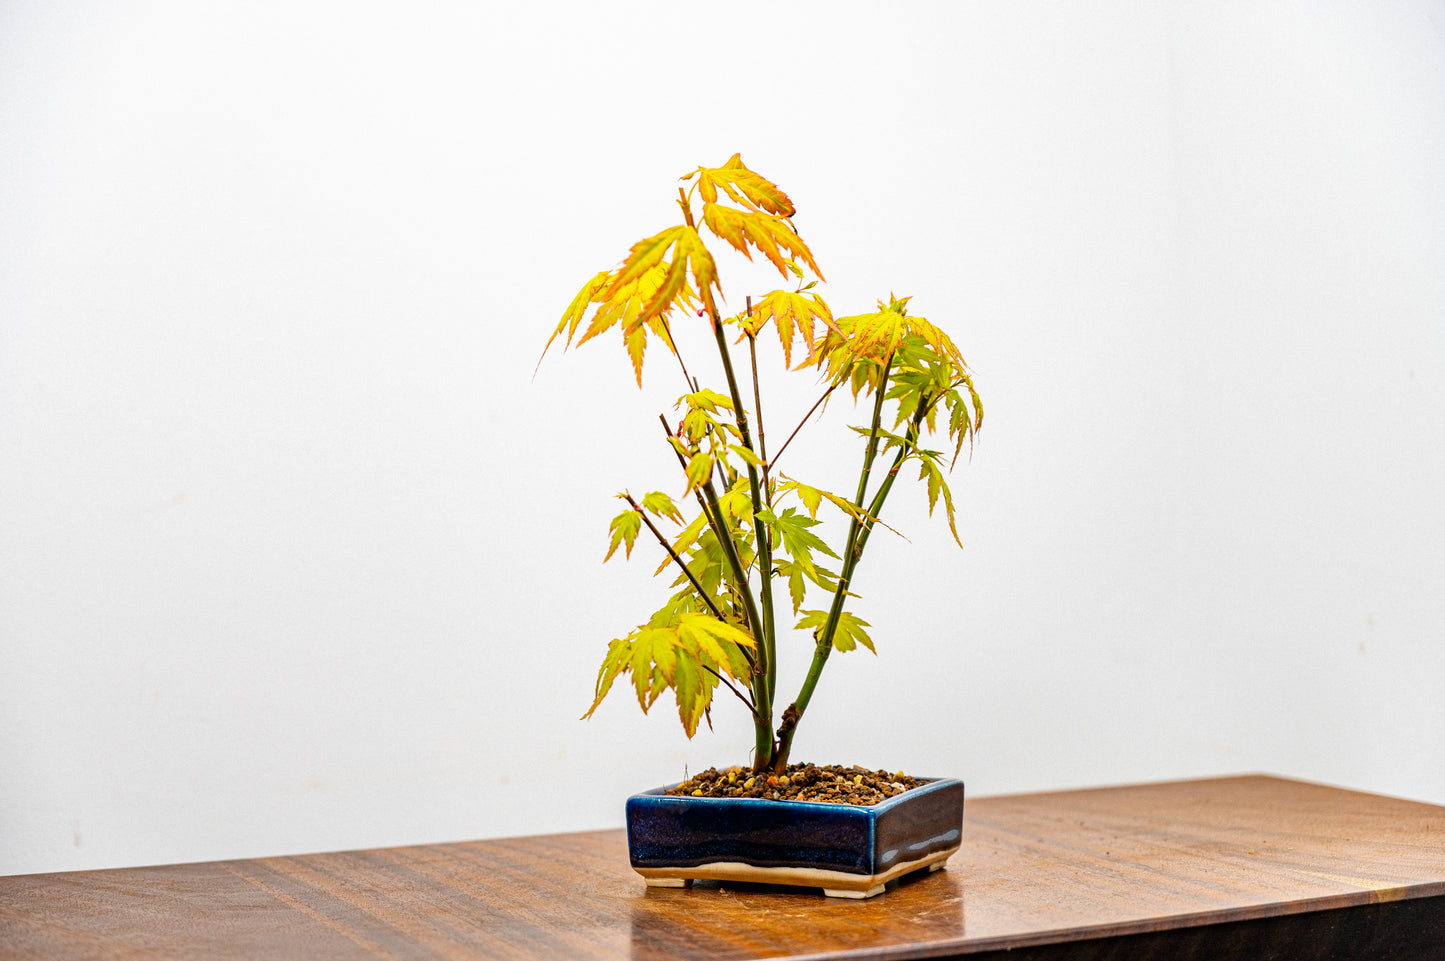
(750, 556)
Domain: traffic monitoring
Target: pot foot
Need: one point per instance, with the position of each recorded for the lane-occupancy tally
(937, 866)
(668, 882)
(857, 895)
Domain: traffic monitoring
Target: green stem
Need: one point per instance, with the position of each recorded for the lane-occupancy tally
(765, 689)
(871, 451)
(758, 406)
(763, 711)
(718, 522)
(682, 462)
(858, 533)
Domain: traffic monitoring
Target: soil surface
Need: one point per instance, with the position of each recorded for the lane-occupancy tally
(831, 784)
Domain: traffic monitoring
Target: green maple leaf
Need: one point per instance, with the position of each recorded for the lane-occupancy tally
(791, 531)
(797, 576)
(617, 661)
(712, 638)
(660, 504)
(624, 527)
(937, 486)
(699, 468)
(846, 636)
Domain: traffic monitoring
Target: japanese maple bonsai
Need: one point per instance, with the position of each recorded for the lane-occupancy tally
(751, 554)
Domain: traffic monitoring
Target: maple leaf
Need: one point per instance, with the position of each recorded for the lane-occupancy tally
(936, 486)
(688, 254)
(847, 635)
(708, 635)
(794, 575)
(850, 633)
(660, 504)
(674, 267)
(812, 496)
(575, 311)
(860, 347)
(698, 470)
(662, 645)
(708, 563)
(621, 304)
(683, 544)
(763, 232)
(643, 257)
(684, 650)
(699, 423)
(624, 527)
(938, 340)
(793, 314)
(797, 575)
(694, 694)
(891, 439)
(869, 337)
(617, 661)
(963, 422)
(745, 187)
(737, 504)
(647, 644)
(704, 399)
(791, 529)
(748, 456)
(688, 537)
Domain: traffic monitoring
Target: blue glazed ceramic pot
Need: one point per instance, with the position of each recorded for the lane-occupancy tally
(848, 851)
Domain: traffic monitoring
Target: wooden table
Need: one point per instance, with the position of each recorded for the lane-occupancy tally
(1249, 867)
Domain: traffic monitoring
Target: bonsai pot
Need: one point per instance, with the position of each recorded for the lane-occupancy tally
(850, 851)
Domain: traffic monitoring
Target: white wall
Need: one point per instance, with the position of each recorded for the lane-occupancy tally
(295, 554)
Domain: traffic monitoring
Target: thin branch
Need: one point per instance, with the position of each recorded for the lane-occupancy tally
(752, 708)
(757, 395)
(672, 345)
(806, 416)
(764, 629)
(676, 559)
(713, 513)
(682, 462)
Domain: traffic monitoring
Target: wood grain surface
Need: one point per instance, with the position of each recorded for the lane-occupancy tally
(1054, 873)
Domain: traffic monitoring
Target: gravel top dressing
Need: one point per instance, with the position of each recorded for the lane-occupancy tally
(830, 784)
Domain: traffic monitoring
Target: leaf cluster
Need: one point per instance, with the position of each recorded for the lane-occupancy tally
(673, 270)
(686, 651)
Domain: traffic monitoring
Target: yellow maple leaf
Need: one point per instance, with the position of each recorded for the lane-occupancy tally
(644, 256)
(688, 254)
(794, 314)
(744, 187)
(575, 311)
(862, 345)
(763, 232)
(624, 305)
(674, 268)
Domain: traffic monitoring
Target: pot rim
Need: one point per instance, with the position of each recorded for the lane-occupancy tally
(928, 786)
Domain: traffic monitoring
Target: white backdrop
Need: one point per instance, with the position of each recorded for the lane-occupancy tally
(296, 554)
